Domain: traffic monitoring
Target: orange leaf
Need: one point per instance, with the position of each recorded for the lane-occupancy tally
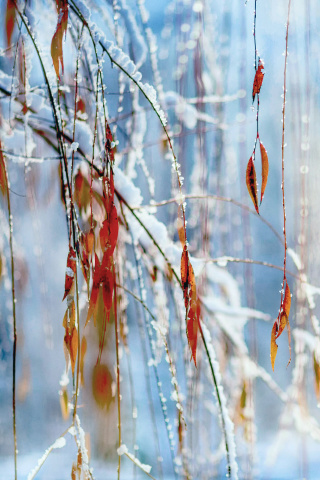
(10, 18)
(287, 301)
(282, 324)
(180, 226)
(56, 43)
(274, 346)
(251, 181)
(258, 79)
(90, 241)
(70, 272)
(101, 385)
(265, 169)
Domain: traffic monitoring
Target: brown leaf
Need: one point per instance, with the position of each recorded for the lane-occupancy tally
(265, 169)
(70, 272)
(274, 346)
(258, 79)
(251, 181)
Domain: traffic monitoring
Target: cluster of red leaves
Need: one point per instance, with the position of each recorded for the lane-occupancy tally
(280, 324)
(57, 39)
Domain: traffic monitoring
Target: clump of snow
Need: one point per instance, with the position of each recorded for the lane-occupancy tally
(122, 450)
(124, 61)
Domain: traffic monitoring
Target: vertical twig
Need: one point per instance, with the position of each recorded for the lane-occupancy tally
(282, 147)
(14, 353)
(118, 371)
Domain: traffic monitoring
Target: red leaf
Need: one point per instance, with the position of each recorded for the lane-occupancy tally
(258, 79)
(191, 302)
(70, 272)
(10, 18)
(193, 328)
(265, 169)
(109, 231)
(56, 44)
(95, 289)
(101, 385)
(251, 181)
(107, 281)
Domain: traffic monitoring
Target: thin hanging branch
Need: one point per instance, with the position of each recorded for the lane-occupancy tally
(5, 188)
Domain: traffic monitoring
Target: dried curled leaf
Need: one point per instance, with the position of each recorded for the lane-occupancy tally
(258, 79)
(251, 181)
(265, 169)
